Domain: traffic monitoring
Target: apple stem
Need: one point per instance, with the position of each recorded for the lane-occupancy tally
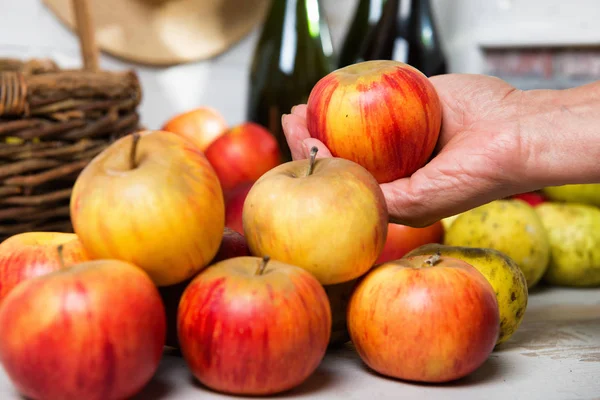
(61, 259)
(431, 261)
(261, 268)
(313, 156)
(132, 154)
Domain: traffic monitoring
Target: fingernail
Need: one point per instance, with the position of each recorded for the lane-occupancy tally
(283, 118)
(293, 108)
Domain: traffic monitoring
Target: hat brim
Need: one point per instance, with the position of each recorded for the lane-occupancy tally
(166, 32)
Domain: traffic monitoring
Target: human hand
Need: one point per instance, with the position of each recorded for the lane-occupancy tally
(478, 158)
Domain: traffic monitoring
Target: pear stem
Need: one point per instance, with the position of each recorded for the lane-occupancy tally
(61, 259)
(313, 156)
(133, 152)
(431, 261)
(261, 268)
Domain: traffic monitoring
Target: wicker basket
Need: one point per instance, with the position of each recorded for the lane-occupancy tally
(52, 123)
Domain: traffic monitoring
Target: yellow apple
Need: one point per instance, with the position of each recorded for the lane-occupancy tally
(151, 199)
(325, 215)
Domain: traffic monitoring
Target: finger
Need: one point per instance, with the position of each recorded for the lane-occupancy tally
(300, 110)
(295, 132)
(323, 151)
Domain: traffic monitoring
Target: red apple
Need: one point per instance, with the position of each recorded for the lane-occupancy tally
(234, 206)
(401, 239)
(92, 331)
(384, 115)
(424, 318)
(201, 126)
(252, 327)
(243, 154)
(233, 245)
(30, 254)
(533, 198)
(151, 199)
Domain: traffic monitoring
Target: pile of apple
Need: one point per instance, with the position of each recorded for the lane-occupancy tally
(252, 309)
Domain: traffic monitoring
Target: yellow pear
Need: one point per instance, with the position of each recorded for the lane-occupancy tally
(510, 226)
(574, 231)
(579, 193)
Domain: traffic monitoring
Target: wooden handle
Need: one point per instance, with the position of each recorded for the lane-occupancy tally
(87, 38)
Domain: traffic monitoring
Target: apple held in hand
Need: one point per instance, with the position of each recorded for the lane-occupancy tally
(201, 126)
(385, 115)
(232, 245)
(253, 327)
(243, 154)
(92, 331)
(424, 318)
(30, 254)
(326, 215)
(151, 199)
(402, 238)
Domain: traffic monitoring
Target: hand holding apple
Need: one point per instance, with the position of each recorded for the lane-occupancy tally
(31, 254)
(93, 331)
(384, 115)
(424, 318)
(253, 327)
(152, 199)
(243, 154)
(326, 215)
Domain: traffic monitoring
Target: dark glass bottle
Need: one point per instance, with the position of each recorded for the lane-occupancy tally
(402, 30)
(294, 51)
(422, 40)
(360, 34)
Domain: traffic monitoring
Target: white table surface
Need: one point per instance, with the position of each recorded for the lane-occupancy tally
(555, 355)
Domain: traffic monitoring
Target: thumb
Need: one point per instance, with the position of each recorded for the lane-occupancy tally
(322, 152)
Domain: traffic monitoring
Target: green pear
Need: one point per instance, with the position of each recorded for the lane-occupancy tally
(580, 193)
(510, 226)
(574, 231)
(502, 273)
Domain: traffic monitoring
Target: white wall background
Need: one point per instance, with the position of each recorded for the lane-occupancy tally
(28, 29)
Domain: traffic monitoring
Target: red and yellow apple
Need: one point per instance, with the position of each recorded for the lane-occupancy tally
(384, 115)
(424, 318)
(326, 215)
(93, 331)
(201, 126)
(234, 206)
(30, 254)
(232, 245)
(152, 200)
(253, 327)
(402, 238)
(243, 154)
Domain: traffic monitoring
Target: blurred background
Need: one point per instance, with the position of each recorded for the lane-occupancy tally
(532, 43)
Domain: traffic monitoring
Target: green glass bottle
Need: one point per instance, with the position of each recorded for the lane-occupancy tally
(362, 37)
(423, 46)
(293, 52)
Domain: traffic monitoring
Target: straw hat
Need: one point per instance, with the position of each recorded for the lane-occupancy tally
(163, 32)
